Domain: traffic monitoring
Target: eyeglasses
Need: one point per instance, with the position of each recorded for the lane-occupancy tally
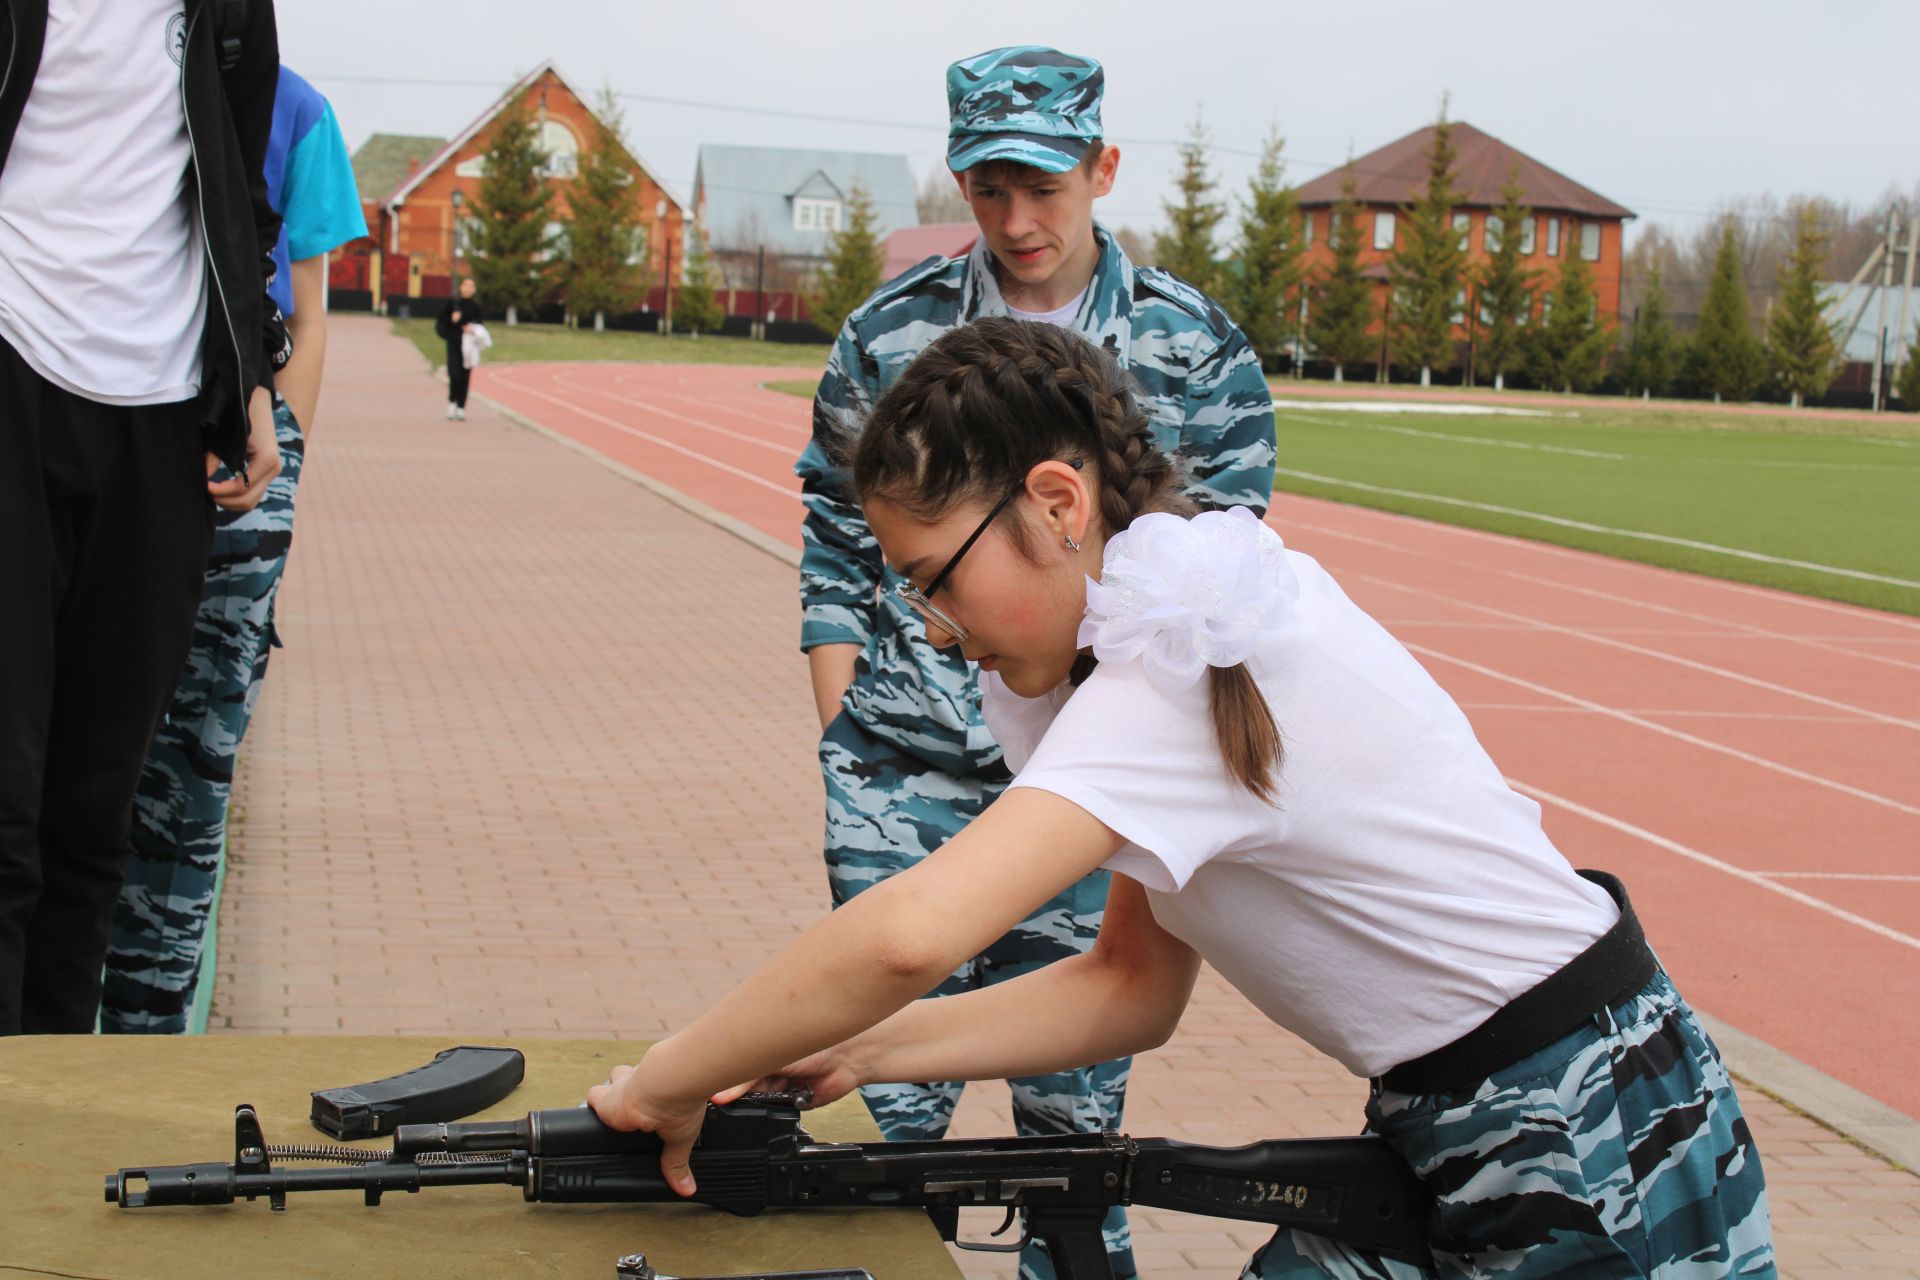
(917, 600)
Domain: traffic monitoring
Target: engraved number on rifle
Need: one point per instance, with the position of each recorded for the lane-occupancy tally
(1294, 1197)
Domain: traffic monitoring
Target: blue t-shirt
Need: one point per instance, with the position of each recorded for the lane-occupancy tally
(309, 182)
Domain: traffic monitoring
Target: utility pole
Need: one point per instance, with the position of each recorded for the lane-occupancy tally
(1903, 334)
(759, 295)
(1892, 230)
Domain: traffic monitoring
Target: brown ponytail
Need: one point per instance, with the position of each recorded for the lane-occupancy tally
(989, 401)
(1244, 727)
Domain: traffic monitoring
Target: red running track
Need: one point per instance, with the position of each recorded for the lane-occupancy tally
(1748, 760)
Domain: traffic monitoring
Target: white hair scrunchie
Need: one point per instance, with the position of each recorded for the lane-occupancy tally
(1186, 594)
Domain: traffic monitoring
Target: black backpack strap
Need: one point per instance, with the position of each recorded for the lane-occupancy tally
(230, 19)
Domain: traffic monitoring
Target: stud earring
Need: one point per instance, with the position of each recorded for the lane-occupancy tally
(1071, 544)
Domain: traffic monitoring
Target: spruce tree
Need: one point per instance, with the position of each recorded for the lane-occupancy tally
(854, 264)
(1187, 248)
(1428, 270)
(1654, 352)
(1800, 339)
(695, 308)
(1725, 358)
(606, 245)
(1907, 385)
(1264, 292)
(1343, 304)
(1506, 282)
(1570, 346)
(512, 253)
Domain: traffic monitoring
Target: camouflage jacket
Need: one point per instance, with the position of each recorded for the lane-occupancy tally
(1198, 380)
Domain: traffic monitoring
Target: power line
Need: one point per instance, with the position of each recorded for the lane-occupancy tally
(1675, 209)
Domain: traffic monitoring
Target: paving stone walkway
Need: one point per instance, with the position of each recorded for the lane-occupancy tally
(537, 761)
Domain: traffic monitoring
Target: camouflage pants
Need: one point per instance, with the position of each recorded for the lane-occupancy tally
(1619, 1151)
(180, 808)
(887, 810)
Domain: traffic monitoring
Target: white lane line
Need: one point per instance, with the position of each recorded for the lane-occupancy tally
(1708, 860)
(1551, 550)
(759, 442)
(781, 424)
(1838, 875)
(1586, 527)
(650, 438)
(1705, 668)
(1717, 463)
(1451, 438)
(1718, 626)
(1670, 712)
(1747, 757)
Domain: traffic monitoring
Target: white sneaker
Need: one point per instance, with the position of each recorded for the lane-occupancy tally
(453, 411)
(459, 413)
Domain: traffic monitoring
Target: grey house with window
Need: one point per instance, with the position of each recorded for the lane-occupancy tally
(790, 201)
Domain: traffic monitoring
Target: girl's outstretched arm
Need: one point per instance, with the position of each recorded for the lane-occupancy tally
(888, 946)
(1122, 997)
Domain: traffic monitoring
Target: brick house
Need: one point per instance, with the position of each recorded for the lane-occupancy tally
(1567, 217)
(410, 212)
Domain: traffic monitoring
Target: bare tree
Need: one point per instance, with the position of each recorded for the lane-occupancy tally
(939, 198)
(1137, 245)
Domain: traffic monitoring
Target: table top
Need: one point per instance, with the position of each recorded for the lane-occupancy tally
(76, 1108)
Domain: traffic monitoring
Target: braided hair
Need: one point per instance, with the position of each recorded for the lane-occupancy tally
(989, 401)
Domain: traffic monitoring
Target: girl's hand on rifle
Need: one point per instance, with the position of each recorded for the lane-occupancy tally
(831, 1074)
(625, 1102)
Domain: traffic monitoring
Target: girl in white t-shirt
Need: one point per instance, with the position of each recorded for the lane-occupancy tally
(1284, 792)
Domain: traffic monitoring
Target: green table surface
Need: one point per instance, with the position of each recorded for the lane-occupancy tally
(75, 1108)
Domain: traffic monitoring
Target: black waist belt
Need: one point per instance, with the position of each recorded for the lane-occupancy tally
(1618, 964)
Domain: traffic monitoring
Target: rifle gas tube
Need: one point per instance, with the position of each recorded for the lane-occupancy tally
(754, 1154)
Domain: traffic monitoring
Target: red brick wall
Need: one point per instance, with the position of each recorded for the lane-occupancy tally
(1606, 272)
(425, 221)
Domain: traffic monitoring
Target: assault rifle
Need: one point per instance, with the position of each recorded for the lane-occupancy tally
(754, 1154)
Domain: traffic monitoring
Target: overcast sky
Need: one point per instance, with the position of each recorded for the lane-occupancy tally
(1668, 107)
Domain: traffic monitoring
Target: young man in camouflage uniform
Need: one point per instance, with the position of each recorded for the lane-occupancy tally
(907, 760)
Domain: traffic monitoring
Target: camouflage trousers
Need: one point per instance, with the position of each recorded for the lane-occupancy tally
(180, 807)
(887, 810)
(1619, 1151)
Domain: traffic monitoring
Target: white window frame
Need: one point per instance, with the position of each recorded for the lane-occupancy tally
(1529, 228)
(1553, 237)
(1590, 241)
(1490, 235)
(1306, 230)
(1463, 223)
(1384, 220)
(812, 214)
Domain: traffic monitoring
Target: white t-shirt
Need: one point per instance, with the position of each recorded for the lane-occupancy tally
(102, 270)
(1398, 893)
(1062, 316)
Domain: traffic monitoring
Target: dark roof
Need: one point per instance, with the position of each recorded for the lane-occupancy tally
(384, 160)
(1396, 172)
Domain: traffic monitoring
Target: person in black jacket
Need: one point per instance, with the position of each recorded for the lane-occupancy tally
(451, 325)
(136, 354)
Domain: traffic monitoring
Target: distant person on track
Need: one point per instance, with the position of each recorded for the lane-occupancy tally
(137, 349)
(451, 325)
(180, 807)
(907, 759)
(1277, 787)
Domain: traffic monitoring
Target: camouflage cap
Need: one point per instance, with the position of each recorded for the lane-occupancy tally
(1026, 103)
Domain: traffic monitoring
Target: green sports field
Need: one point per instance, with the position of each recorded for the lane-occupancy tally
(1820, 506)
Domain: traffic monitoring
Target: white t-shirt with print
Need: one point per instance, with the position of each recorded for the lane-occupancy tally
(1397, 894)
(102, 272)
